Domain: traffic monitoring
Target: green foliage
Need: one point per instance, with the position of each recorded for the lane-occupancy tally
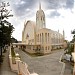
(13, 55)
(73, 32)
(6, 32)
(33, 54)
(1, 58)
(13, 40)
(12, 52)
(6, 28)
(70, 49)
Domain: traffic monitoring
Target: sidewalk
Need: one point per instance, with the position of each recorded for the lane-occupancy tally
(68, 68)
(5, 66)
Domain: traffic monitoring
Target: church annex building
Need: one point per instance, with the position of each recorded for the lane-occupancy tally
(37, 38)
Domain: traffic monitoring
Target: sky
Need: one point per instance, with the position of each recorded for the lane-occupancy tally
(60, 15)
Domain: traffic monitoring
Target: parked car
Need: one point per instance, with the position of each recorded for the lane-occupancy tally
(67, 57)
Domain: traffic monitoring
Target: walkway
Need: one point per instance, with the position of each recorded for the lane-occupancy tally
(43, 65)
(4, 67)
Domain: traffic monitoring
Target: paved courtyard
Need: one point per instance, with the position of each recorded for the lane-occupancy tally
(43, 65)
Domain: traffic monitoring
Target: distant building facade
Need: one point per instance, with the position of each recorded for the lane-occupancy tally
(38, 38)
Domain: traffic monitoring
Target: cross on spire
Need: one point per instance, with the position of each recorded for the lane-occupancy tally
(39, 5)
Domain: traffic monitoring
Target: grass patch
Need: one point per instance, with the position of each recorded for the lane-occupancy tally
(36, 54)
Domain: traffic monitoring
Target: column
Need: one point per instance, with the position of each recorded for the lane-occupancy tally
(40, 38)
(48, 38)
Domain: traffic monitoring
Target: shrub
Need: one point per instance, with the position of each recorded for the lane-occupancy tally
(12, 52)
(70, 49)
(1, 59)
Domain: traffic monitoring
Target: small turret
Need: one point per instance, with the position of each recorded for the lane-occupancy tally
(63, 35)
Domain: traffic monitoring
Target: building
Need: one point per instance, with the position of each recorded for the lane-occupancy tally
(38, 38)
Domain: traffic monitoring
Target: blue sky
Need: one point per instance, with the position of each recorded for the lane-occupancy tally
(60, 14)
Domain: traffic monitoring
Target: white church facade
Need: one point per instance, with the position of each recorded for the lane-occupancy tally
(38, 38)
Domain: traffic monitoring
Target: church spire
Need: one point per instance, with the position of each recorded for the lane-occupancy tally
(39, 5)
(40, 18)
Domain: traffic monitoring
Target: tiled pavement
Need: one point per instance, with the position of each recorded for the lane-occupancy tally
(43, 65)
(68, 68)
(5, 67)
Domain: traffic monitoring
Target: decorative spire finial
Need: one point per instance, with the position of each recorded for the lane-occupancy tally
(39, 5)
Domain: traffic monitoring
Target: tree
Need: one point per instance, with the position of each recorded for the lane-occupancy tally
(70, 47)
(6, 28)
(73, 32)
(13, 40)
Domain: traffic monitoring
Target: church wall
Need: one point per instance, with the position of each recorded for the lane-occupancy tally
(51, 39)
(29, 49)
(40, 19)
(29, 33)
(38, 34)
(43, 38)
(56, 40)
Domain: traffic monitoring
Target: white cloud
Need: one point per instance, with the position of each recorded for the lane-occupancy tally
(27, 9)
(64, 21)
(67, 22)
(19, 2)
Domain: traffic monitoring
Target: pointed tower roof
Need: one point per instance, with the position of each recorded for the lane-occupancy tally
(63, 34)
(58, 30)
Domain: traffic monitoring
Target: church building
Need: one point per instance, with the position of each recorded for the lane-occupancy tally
(38, 38)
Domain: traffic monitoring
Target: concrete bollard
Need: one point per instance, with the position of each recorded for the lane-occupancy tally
(17, 63)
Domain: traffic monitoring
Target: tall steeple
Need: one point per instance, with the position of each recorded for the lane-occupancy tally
(39, 5)
(40, 18)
